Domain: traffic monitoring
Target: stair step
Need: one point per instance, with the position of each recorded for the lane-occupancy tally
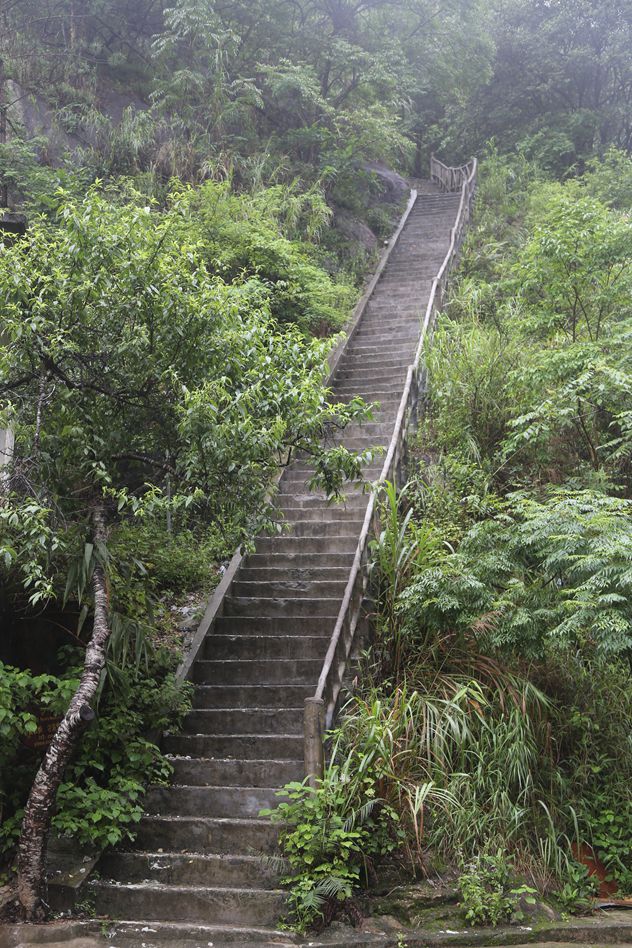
(380, 361)
(151, 933)
(288, 587)
(299, 559)
(151, 900)
(280, 576)
(229, 801)
(258, 672)
(265, 647)
(309, 501)
(291, 607)
(205, 835)
(240, 746)
(304, 545)
(190, 869)
(274, 625)
(251, 696)
(324, 527)
(322, 514)
(245, 721)
(206, 772)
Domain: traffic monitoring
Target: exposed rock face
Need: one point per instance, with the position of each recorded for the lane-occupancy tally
(395, 188)
(355, 230)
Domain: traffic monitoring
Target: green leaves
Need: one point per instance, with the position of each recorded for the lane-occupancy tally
(328, 835)
(550, 575)
(139, 371)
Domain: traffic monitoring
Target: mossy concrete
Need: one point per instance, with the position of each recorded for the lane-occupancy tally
(598, 931)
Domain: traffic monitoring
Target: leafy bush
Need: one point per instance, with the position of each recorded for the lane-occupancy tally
(329, 837)
(483, 886)
(523, 471)
(611, 836)
(176, 562)
(101, 798)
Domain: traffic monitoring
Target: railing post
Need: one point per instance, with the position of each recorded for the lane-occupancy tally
(313, 731)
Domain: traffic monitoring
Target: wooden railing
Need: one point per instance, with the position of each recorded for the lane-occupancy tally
(321, 708)
(449, 179)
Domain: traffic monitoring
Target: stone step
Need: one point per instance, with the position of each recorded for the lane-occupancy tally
(325, 527)
(179, 903)
(374, 361)
(304, 468)
(392, 330)
(380, 332)
(390, 338)
(235, 647)
(278, 671)
(240, 746)
(206, 772)
(360, 389)
(190, 869)
(368, 352)
(211, 801)
(296, 558)
(296, 500)
(323, 514)
(369, 429)
(206, 835)
(288, 608)
(251, 696)
(302, 546)
(274, 625)
(375, 443)
(377, 374)
(211, 721)
(335, 575)
(287, 588)
(155, 934)
(387, 399)
(388, 354)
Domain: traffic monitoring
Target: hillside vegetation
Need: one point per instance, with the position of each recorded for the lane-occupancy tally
(488, 736)
(206, 185)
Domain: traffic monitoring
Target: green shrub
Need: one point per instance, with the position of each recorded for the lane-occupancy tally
(329, 836)
(484, 890)
(101, 798)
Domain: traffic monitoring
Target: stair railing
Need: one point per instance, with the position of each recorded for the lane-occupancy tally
(449, 179)
(320, 709)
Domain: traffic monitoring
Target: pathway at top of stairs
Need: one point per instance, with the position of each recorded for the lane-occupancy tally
(196, 875)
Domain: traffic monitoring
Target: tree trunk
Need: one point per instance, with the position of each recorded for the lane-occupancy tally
(32, 887)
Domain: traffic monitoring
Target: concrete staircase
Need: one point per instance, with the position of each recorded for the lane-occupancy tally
(196, 875)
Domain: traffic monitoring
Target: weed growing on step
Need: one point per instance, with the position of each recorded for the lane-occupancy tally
(331, 837)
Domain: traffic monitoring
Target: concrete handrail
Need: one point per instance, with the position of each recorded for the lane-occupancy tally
(216, 602)
(320, 709)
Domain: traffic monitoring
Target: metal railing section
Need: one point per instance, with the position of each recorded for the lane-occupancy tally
(321, 708)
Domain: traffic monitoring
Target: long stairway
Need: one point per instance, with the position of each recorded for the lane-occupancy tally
(195, 876)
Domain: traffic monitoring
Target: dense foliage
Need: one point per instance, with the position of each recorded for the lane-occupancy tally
(204, 184)
(493, 716)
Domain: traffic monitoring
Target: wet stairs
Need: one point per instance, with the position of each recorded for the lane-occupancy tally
(195, 876)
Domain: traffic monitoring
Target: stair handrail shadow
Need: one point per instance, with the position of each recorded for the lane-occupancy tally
(320, 709)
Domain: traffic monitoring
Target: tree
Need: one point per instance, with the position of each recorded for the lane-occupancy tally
(136, 380)
(573, 280)
(561, 81)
